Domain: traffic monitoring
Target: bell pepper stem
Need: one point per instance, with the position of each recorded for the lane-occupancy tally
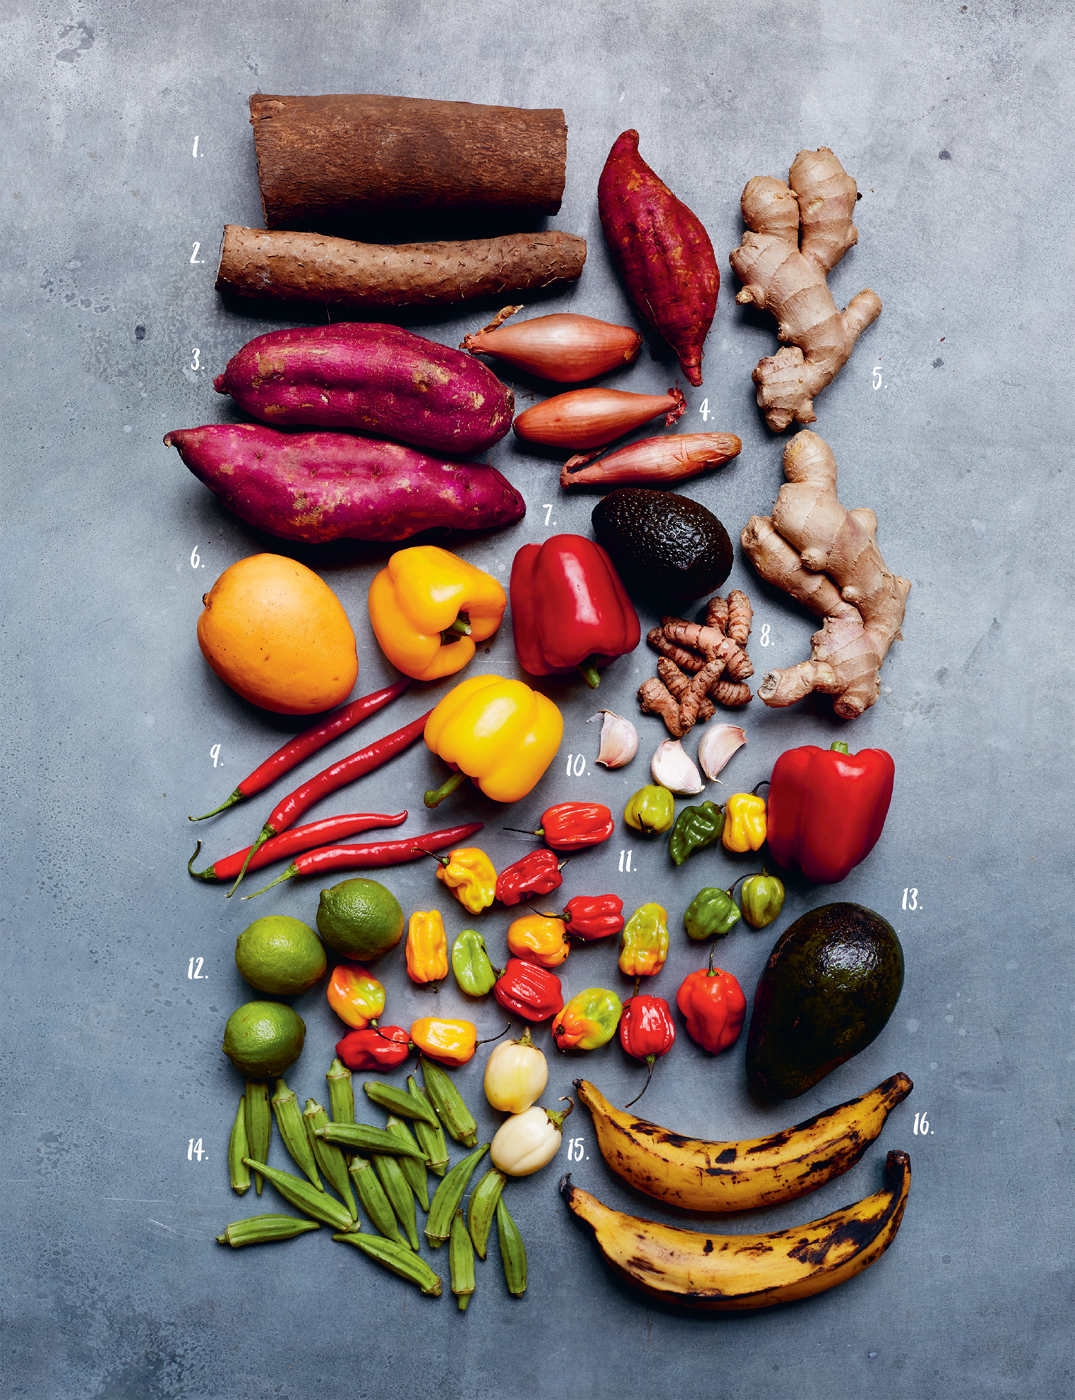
(557, 1118)
(459, 628)
(838, 747)
(435, 796)
(588, 671)
(207, 873)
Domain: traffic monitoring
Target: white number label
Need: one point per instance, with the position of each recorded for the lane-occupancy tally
(194, 970)
(194, 256)
(921, 1125)
(194, 152)
(214, 754)
(195, 1151)
(704, 410)
(196, 360)
(910, 899)
(195, 558)
(763, 635)
(576, 765)
(877, 376)
(625, 862)
(576, 1151)
(548, 512)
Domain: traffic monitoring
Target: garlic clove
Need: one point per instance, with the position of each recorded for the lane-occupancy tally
(718, 744)
(619, 739)
(671, 768)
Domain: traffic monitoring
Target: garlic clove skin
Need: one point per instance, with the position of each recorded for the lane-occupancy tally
(619, 739)
(671, 768)
(718, 744)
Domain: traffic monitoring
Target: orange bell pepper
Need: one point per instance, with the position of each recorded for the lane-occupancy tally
(427, 947)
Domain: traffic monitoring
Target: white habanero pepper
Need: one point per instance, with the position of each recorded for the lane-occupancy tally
(528, 1141)
(515, 1075)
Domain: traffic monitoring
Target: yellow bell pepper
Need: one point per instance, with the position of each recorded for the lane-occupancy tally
(471, 877)
(498, 732)
(744, 822)
(449, 1042)
(427, 947)
(424, 594)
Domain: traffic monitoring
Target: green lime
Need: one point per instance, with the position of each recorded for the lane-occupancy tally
(263, 1038)
(360, 919)
(280, 955)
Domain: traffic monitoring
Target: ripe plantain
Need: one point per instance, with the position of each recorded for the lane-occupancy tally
(702, 1270)
(723, 1176)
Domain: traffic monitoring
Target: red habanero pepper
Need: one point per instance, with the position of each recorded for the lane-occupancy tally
(646, 1032)
(371, 856)
(374, 1047)
(301, 838)
(536, 873)
(569, 610)
(571, 826)
(529, 991)
(713, 1007)
(593, 916)
(827, 808)
(308, 742)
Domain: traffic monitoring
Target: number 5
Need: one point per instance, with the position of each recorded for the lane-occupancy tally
(877, 376)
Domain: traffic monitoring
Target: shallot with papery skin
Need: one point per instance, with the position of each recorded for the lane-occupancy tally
(591, 417)
(619, 739)
(653, 460)
(671, 768)
(718, 744)
(565, 348)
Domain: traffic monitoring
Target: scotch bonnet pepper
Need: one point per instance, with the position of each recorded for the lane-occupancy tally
(469, 874)
(427, 946)
(470, 962)
(651, 810)
(763, 898)
(827, 808)
(593, 916)
(589, 1020)
(355, 996)
(539, 938)
(647, 1031)
(447, 1041)
(744, 822)
(529, 991)
(536, 873)
(429, 609)
(644, 945)
(695, 829)
(572, 826)
(374, 1047)
(569, 610)
(711, 911)
(713, 1006)
(498, 732)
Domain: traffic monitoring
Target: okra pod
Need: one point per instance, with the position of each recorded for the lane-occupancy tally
(448, 1101)
(300, 1194)
(482, 1207)
(374, 1201)
(397, 1189)
(262, 1229)
(258, 1123)
(512, 1251)
(448, 1195)
(412, 1169)
(360, 1137)
(398, 1258)
(431, 1140)
(461, 1261)
(290, 1126)
(329, 1157)
(399, 1102)
(237, 1150)
(341, 1096)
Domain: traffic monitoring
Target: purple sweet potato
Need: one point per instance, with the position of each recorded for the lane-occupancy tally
(370, 379)
(328, 486)
(662, 250)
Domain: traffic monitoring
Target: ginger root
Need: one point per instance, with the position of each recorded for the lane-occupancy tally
(780, 276)
(826, 557)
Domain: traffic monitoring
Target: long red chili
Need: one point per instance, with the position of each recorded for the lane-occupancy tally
(290, 808)
(301, 838)
(376, 853)
(308, 742)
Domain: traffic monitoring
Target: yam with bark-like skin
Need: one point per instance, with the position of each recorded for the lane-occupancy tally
(318, 487)
(369, 378)
(310, 267)
(347, 155)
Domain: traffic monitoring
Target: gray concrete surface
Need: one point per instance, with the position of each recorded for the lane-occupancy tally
(956, 120)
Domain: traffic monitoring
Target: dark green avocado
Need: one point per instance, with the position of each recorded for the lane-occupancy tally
(830, 985)
(666, 548)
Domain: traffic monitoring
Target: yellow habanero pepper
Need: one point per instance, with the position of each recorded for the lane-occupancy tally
(498, 732)
(744, 822)
(425, 594)
(539, 938)
(644, 942)
(449, 1042)
(470, 876)
(427, 947)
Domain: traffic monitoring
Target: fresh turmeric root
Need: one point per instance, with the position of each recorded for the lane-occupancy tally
(787, 279)
(826, 557)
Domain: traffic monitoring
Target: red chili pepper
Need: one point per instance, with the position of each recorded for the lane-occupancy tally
(569, 609)
(374, 1047)
(302, 838)
(594, 916)
(529, 991)
(827, 808)
(646, 1031)
(373, 855)
(536, 873)
(308, 742)
(713, 1007)
(356, 765)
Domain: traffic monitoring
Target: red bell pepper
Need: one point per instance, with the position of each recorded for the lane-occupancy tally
(536, 873)
(529, 991)
(593, 916)
(713, 1007)
(827, 808)
(646, 1032)
(569, 610)
(374, 1047)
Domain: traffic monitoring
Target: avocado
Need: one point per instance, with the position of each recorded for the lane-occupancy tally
(667, 548)
(830, 985)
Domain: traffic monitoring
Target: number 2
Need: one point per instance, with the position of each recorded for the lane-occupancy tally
(194, 256)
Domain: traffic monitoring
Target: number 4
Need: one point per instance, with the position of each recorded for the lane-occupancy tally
(704, 410)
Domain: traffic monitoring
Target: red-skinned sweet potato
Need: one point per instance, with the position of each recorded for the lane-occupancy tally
(328, 486)
(662, 250)
(370, 379)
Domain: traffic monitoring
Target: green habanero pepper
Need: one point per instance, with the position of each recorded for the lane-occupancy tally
(652, 810)
(695, 829)
(711, 911)
(470, 963)
(762, 898)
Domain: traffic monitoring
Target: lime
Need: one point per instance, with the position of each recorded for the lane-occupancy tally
(360, 919)
(280, 955)
(263, 1038)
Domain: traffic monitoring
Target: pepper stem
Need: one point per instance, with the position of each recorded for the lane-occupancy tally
(557, 1118)
(289, 874)
(237, 796)
(207, 873)
(435, 796)
(588, 670)
(489, 1039)
(266, 832)
(524, 1039)
(838, 747)
(651, 1060)
(711, 973)
(459, 628)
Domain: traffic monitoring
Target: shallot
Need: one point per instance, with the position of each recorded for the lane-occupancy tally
(591, 417)
(566, 348)
(655, 459)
